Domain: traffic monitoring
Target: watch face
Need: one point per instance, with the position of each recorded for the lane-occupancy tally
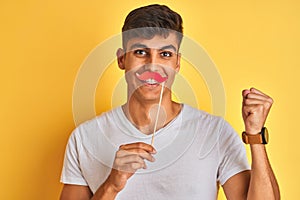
(265, 135)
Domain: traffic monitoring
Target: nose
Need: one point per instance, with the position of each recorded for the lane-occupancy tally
(153, 62)
(153, 57)
(150, 67)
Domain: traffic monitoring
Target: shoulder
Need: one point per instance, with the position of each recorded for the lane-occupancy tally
(212, 128)
(212, 131)
(204, 118)
(95, 124)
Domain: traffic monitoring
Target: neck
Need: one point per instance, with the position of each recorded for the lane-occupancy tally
(143, 114)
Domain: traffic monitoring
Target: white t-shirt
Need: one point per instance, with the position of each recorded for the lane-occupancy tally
(195, 151)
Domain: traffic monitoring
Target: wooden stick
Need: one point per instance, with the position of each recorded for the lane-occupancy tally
(159, 105)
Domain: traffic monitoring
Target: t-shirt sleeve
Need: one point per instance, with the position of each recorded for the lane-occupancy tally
(233, 158)
(71, 172)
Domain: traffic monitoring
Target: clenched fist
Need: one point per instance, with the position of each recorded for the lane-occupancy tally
(255, 109)
(129, 158)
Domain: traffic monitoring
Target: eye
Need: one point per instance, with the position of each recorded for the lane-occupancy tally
(140, 52)
(166, 54)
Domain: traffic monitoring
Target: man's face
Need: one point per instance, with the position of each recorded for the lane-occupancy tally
(149, 63)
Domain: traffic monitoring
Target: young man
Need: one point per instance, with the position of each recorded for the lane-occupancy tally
(111, 156)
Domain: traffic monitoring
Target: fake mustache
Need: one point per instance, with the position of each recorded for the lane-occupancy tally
(146, 75)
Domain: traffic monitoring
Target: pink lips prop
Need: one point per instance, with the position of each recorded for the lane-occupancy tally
(151, 75)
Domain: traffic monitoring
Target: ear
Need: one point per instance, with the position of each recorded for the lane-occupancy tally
(178, 62)
(121, 58)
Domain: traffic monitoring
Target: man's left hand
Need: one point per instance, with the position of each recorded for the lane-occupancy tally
(255, 109)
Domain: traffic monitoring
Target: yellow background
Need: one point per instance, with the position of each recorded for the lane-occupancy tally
(43, 43)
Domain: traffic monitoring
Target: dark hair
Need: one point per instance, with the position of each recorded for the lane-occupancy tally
(151, 20)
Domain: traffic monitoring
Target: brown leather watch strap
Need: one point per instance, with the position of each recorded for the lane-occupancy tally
(252, 139)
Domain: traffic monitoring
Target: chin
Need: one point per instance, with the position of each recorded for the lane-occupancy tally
(147, 96)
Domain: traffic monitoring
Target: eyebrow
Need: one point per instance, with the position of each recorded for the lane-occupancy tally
(142, 46)
(169, 47)
(137, 46)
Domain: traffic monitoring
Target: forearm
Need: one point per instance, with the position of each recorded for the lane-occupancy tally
(263, 184)
(105, 192)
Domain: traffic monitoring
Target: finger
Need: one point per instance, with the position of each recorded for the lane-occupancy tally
(249, 101)
(139, 152)
(129, 163)
(265, 105)
(245, 93)
(129, 159)
(132, 167)
(254, 90)
(253, 108)
(139, 145)
(261, 97)
(256, 96)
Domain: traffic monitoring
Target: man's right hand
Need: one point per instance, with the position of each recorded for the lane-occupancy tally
(129, 158)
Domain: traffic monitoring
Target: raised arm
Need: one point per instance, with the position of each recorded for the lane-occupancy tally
(260, 182)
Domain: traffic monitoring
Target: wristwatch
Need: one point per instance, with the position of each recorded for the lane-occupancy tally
(260, 138)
